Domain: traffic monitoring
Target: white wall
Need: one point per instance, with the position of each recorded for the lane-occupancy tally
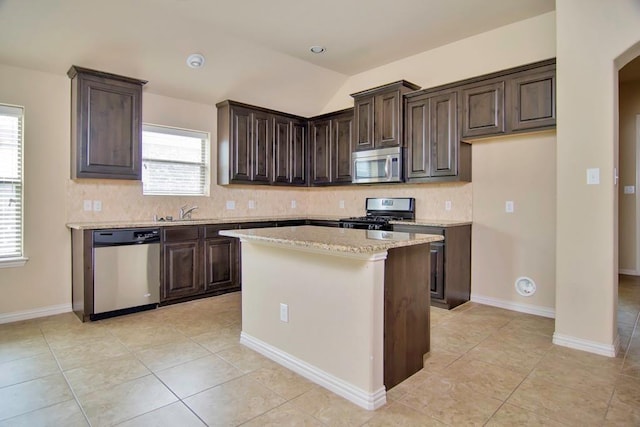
(591, 34)
(45, 280)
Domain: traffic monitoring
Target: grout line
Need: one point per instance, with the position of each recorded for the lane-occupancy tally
(64, 375)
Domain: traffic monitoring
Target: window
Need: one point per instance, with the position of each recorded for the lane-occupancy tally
(11, 186)
(174, 161)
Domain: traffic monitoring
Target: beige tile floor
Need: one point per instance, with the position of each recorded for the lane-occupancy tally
(182, 366)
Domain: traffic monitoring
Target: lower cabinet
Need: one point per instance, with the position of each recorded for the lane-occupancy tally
(450, 263)
(197, 262)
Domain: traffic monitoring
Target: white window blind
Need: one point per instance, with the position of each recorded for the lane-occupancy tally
(11, 183)
(174, 161)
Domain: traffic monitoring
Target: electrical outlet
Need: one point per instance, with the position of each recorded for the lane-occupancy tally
(593, 176)
(252, 204)
(97, 205)
(87, 205)
(284, 312)
(341, 204)
(447, 205)
(509, 206)
(231, 205)
(293, 204)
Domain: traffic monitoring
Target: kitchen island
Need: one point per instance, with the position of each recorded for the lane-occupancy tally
(347, 309)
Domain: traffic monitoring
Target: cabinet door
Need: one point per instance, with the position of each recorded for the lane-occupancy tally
(299, 152)
(261, 147)
(282, 150)
(386, 127)
(483, 110)
(437, 270)
(220, 264)
(364, 120)
(418, 147)
(320, 147)
(444, 134)
(181, 276)
(533, 103)
(240, 144)
(107, 122)
(342, 148)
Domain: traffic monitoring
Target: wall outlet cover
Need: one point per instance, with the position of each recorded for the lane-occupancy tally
(593, 176)
(231, 205)
(509, 206)
(97, 205)
(87, 205)
(447, 205)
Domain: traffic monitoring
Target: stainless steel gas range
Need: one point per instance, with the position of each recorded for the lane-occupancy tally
(380, 211)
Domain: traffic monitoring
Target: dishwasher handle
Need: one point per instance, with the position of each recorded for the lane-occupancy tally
(125, 236)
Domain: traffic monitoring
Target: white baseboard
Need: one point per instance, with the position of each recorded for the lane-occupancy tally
(628, 272)
(17, 316)
(514, 306)
(340, 387)
(586, 345)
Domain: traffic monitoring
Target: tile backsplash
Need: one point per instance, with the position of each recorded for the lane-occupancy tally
(123, 201)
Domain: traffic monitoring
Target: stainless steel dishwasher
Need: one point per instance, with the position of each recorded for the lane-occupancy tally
(126, 271)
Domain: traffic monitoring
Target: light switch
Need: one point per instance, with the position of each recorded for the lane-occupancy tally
(97, 205)
(508, 206)
(231, 205)
(629, 189)
(87, 205)
(593, 176)
(447, 205)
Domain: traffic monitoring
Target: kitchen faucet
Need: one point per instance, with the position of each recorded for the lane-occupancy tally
(186, 213)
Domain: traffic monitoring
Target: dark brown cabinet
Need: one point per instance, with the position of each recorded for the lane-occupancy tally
(260, 146)
(532, 99)
(180, 253)
(379, 115)
(289, 148)
(450, 262)
(483, 109)
(331, 139)
(106, 125)
(197, 261)
(434, 150)
(244, 144)
(221, 260)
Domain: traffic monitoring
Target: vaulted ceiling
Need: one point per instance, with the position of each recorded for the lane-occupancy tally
(251, 46)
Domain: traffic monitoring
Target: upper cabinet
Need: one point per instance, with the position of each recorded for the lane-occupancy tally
(434, 150)
(330, 148)
(521, 99)
(532, 100)
(379, 115)
(106, 125)
(260, 146)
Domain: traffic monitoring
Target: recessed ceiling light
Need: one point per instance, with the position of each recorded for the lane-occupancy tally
(317, 49)
(195, 60)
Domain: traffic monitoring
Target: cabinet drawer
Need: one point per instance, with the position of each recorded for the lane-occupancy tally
(172, 234)
(211, 231)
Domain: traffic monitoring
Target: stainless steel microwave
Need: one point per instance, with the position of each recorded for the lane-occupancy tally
(381, 165)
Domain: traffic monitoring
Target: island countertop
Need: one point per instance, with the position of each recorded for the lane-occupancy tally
(333, 239)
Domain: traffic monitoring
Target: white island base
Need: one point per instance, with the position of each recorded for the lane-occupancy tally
(321, 312)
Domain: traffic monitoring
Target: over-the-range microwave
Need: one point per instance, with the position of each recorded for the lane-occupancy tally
(379, 165)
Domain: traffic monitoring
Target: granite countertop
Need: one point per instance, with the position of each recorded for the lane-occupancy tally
(333, 239)
(196, 221)
(204, 221)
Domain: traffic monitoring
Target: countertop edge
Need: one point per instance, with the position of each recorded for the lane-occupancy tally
(98, 225)
(380, 246)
